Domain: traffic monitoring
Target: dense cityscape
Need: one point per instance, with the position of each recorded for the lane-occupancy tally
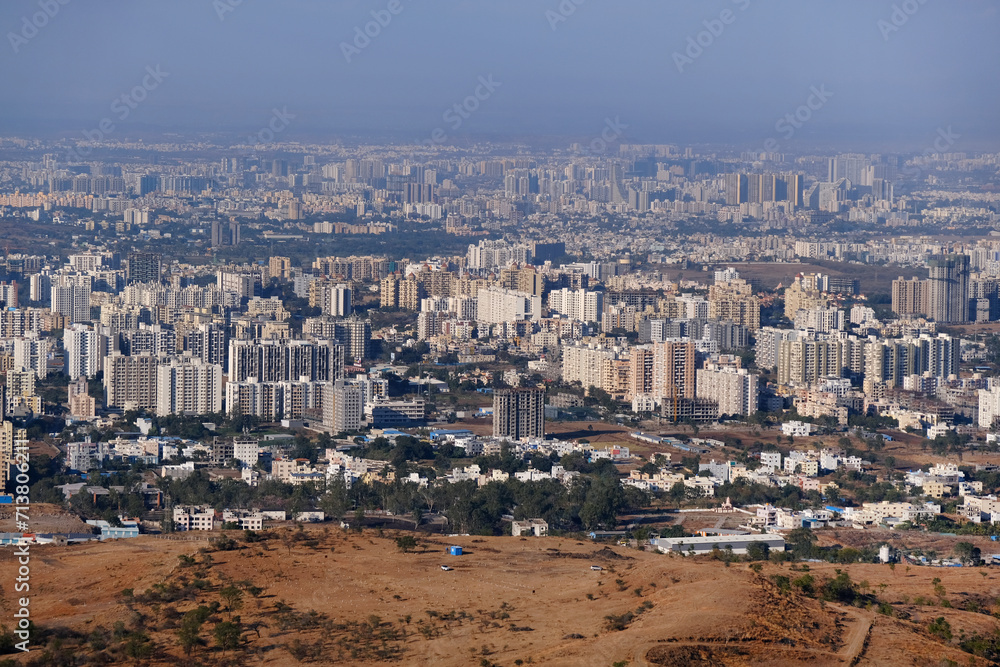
(594, 372)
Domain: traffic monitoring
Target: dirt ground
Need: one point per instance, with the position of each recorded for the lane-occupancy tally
(505, 600)
(43, 518)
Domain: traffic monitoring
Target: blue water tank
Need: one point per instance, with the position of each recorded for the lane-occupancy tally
(455, 551)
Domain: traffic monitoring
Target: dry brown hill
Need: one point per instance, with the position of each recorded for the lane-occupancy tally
(323, 596)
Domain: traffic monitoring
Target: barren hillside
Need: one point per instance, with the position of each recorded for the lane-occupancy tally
(321, 595)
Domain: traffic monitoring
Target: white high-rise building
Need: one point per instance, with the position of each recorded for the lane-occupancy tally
(86, 262)
(31, 353)
(489, 254)
(246, 450)
(821, 320)
(726, 275)
(585, 364)
(343, 406)
(40, 287)
(580, 304)
(85, 351)
(340, 301)
(188, 386)
(695, 307)
(463, 307)
(71, 298)
(274, 401)
(285, 360)
(497, 305)
(130, 381)
(734, 389)
(989, 406)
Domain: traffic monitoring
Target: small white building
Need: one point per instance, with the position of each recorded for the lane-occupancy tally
(770, 460)
(797, 428)
(535, 527)
(247, 520)
(194, 517)
(803, 465)
(644, 403)
(938, 429)
(704, 545)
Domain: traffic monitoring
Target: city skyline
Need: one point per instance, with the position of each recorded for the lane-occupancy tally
(325, 318)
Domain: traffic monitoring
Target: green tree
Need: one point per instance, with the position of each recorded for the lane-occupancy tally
(406, 543)
(801, 541)
(968, 552)
(138, 646)
(227, 635)
(605, 499)
(758, 551)
(336, 501)
(940, 628)
(189, 634)
(677, 493)
(233, 597)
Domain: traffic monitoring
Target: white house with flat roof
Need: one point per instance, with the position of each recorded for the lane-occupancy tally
(704, 545)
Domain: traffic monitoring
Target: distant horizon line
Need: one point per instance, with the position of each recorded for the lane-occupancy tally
(469, 142)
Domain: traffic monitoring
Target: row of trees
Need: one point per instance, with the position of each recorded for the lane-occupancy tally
(590, 502)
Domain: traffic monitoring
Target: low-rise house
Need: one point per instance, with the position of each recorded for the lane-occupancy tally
(493, 476)
(720, 471)
(70, 490)
(613, 453)
(535, 527)
(771, 460)
(985, 509)
(938, 429)
(797, 428)
(970, 488)
(812, 484)
(767, 515)
(882, 511)
(250, 476)
(194, 517)
(415, 478)
(705, 545)
(179, 471)
(788, 519)
(127, 529)
(804, 463)
(245, 519)
(936, 489)
(705, 487)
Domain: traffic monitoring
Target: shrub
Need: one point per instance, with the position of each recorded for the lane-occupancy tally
(613, 622)
(940, 628)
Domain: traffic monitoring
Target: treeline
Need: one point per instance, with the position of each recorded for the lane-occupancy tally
(590, 502)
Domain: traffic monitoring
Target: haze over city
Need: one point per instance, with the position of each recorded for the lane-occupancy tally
(562, 332)
(564, 67)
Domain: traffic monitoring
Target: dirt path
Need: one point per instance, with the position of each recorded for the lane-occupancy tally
(859, 633)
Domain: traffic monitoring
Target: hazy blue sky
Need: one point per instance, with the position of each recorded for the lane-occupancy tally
(609, 58)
